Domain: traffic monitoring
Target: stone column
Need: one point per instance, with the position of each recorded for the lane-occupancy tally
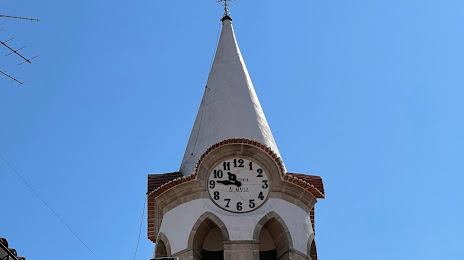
(241, 250)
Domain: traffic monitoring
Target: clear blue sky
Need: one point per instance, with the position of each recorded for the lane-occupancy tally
(367, 94)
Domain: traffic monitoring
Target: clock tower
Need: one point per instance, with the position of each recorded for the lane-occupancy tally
(233, 197)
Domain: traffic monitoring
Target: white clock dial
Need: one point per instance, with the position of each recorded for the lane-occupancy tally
(238, 185)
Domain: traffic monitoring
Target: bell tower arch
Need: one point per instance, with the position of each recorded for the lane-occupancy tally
(207, 238)
(162, 248)
(273, 237)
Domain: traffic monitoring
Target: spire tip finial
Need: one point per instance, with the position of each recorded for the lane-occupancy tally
(225, 3)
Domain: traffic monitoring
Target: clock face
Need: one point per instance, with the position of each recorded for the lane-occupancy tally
(238, 185)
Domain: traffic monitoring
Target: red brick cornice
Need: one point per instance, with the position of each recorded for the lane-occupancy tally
(263, 147)
(311, 183)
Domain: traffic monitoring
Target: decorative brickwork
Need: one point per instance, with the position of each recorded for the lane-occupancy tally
(248, 142)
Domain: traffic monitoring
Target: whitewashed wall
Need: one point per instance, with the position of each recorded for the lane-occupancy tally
(178, 222)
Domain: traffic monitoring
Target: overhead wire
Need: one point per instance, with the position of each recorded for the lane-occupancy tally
(202, 104)
(140, 229)
(217, 42)
(48, 206)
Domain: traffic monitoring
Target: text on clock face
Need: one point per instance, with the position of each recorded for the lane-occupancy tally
(238, 185)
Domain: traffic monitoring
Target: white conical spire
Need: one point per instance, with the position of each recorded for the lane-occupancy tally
(230, 107)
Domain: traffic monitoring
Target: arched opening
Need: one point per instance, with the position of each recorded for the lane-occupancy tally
(212, 248)
(313, 251)
(267, 247)
(207, 238)
(274, 238)
(161, 250)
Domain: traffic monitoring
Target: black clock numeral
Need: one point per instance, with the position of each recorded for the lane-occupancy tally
(252, 204)
(217, 174)
(216, 195)
(228, 201)
(265, 185)
(226, 166)
(239, 164)
(251, 165)
(212, 184)
(261, 196)
(239, 206)
(260, 173)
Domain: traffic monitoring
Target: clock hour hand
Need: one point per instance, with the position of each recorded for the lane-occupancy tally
(233, 178)
(231, 181)
(226, 182)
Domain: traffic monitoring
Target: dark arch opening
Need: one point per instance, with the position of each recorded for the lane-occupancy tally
(313, 251)
(207, 242)
(267, 247)
(273, 241)
(161, 250)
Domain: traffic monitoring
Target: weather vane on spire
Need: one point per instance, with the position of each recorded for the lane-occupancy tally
(225, 3)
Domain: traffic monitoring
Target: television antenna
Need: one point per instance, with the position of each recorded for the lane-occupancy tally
(10, 76)
(19, 17)
(14, 50)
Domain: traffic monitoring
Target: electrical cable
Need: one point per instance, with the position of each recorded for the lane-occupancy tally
(217, 42)
(48, 206)
(202, 105)
(140, 229)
